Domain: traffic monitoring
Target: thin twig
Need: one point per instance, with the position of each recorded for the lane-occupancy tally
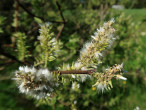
(61, 14)
(8, 55)
(89, 72)
(69, 72)
(33, 15)
(26, 10)
(60, 11)
(53, 21)
(59, 33)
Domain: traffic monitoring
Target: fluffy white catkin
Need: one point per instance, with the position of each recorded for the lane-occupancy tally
(38, 83)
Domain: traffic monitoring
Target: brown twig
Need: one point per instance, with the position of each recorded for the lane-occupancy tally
(60, 11)
(61, 14)
(26, 10)
(59, 33)
(89, 72)
(53, 21)
(74, 72)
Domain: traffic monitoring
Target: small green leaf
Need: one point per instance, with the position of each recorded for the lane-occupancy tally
(39, 21)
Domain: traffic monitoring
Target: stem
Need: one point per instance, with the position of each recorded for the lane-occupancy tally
(89, 72)
(46, 60)
(59, 33)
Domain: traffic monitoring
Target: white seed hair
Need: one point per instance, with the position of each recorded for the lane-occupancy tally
(38, 83)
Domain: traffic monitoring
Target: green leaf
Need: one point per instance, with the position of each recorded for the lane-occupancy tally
(38, 20)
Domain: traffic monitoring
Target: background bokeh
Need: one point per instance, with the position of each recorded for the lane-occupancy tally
(82, 18)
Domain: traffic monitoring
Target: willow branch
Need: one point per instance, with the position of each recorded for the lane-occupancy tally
(89, 72)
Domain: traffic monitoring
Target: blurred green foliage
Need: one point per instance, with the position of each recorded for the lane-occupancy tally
(82, 18)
